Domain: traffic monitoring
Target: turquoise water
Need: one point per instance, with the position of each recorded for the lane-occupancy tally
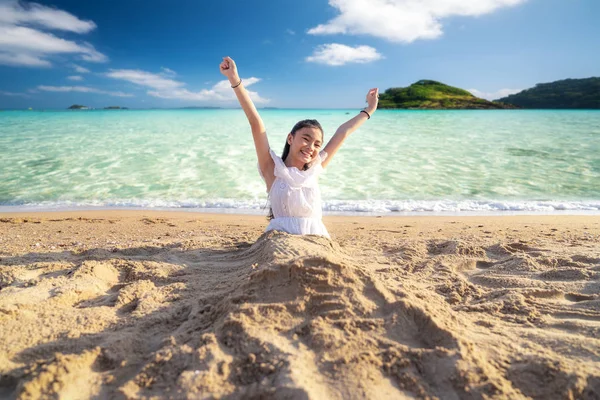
(407, 161)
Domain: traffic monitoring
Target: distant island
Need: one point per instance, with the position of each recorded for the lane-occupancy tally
(80, 107)
(200, 108)
(566, 94)
(433, 95)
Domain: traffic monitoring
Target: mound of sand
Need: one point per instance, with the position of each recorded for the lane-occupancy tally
(303, 317)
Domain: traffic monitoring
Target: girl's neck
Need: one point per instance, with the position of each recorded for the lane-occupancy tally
(289, 162)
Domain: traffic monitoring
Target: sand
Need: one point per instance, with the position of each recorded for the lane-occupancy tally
(123, 304)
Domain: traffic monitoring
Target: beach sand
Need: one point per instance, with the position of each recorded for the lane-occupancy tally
(143, 304)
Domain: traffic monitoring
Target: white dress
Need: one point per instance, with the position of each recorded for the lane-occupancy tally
(296, 199)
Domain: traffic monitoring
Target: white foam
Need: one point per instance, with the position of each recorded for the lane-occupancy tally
(457, 206)
(356, 207)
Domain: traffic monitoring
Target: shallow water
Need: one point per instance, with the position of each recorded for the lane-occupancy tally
(405, 161)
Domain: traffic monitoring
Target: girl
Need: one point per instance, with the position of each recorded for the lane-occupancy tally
(292, 179)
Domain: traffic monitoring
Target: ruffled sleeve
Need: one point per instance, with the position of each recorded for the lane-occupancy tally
(323, 155)
(280, 167)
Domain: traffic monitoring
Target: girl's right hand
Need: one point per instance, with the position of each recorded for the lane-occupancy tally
(372, 100)
(229, 69)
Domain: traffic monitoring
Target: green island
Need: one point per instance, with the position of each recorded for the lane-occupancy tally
(433, 95)
(565, 94)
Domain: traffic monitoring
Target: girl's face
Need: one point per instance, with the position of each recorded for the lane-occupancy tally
(305, 144)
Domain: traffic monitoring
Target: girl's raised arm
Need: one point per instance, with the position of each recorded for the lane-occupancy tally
(261, 143)
(350, 126)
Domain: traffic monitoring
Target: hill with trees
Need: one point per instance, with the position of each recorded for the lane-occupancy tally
(432, 95)
(567, 94)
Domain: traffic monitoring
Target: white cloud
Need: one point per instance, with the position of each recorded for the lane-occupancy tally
(30, 46)
(290, 32)
(168, 71)
(22, 60)
(493, 95)
(143, 78)
(82, 89)
(167, 88)
(75, 78)
(80, 69)
(12, 94)
(338, 54)
(17, 13)
(19, 38)
(89, 53)
(402, 20)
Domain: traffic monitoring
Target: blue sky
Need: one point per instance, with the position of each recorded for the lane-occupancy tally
(304, 54)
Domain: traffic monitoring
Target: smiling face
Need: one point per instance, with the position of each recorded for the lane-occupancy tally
(305, 144)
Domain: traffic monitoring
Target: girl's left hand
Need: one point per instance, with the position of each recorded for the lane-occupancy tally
(372, 100)
(229, 69)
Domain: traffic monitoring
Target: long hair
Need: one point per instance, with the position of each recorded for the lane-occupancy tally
(305, 123)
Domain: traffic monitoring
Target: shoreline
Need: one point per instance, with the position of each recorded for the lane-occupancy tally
(333, 216)
(19, 210)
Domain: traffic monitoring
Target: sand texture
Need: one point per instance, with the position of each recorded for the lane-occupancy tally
(190, 306)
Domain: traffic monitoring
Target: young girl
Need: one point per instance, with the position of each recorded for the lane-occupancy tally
(292, 178)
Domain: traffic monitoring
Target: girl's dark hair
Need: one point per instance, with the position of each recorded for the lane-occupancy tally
(305, 123)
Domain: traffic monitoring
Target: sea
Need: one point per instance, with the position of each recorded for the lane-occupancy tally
(423, 162)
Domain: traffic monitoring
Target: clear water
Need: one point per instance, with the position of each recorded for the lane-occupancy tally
(407, 161)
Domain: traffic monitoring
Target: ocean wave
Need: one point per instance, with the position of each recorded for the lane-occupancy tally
(257, 206)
